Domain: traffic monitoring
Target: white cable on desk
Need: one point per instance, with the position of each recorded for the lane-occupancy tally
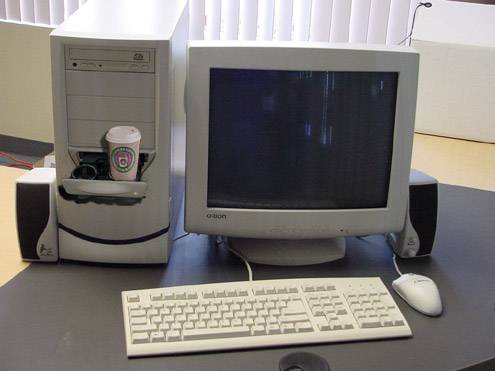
(221, 241)
(250, 272)
(394, 258)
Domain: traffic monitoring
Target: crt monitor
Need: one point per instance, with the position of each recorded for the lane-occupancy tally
(291, 147)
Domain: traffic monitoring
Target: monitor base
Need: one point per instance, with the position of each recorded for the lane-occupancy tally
(289, 252)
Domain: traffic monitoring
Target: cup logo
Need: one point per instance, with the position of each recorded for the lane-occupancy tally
(123, 159)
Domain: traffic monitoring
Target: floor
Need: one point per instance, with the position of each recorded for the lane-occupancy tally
(454, 161)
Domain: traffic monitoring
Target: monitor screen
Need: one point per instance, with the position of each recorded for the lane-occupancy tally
(300, 139)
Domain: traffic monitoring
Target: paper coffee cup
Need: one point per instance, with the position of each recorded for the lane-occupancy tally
(123, 152)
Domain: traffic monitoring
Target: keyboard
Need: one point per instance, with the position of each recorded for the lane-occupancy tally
(252, 314)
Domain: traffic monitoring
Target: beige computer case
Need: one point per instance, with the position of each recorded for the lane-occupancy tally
(118, 62)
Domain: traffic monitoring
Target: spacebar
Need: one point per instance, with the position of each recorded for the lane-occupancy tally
(215, 333)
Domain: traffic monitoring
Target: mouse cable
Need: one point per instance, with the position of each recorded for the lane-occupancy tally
(394, 258)
(221, 242)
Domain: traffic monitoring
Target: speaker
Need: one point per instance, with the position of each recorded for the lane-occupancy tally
(418, 235)
(37, 215)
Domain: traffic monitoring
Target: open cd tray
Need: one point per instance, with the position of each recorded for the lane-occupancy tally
(103, 186)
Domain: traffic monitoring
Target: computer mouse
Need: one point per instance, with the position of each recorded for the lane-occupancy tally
(419, 292)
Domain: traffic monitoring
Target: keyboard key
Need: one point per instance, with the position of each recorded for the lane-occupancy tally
(347, 325)
(138, 320)
(173, 335)
(208, 294)
(188, 325)
(259, 321)
(335, 325)
(180, 295)
(143, 328)
(369, 323)
(270, 290)
(180, 318)
(157, 336)
(287, 328)
(191, 295)
(137, 313)
(224, 323)
(236, 322)
(212, 323)
(258, 291)
(164, 327)
(220, 294)
(227, 332)
(156, 320)
(140, 338)
(304, 327)
(308, 288)
(216, 315)
(294, 307)
(293, 318)
(133, 298)
(176, 326)
(258, 330)
(156, 296)
(273, 329)
(323, 326)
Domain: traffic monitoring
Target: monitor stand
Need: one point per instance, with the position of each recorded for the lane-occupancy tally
(289, 252)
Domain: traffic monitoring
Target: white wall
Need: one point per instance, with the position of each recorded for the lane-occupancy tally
(25, 82)
(456, 92)
(455, 22)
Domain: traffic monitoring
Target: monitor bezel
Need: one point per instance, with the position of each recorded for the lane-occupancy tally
(283, 223)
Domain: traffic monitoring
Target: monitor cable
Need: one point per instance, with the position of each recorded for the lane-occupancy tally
(394, 256)
(409, 36)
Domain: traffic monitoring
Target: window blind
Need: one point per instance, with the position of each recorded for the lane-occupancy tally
(354, 21)
(43, 12)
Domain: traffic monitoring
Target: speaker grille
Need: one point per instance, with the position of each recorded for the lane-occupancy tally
(423, 206)
(33, 211)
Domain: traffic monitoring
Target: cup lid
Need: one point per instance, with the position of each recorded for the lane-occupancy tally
(123, 134)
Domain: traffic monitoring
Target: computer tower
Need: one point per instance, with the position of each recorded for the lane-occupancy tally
(117, 63)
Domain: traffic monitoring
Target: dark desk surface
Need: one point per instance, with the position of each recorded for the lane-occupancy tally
(69, 316)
